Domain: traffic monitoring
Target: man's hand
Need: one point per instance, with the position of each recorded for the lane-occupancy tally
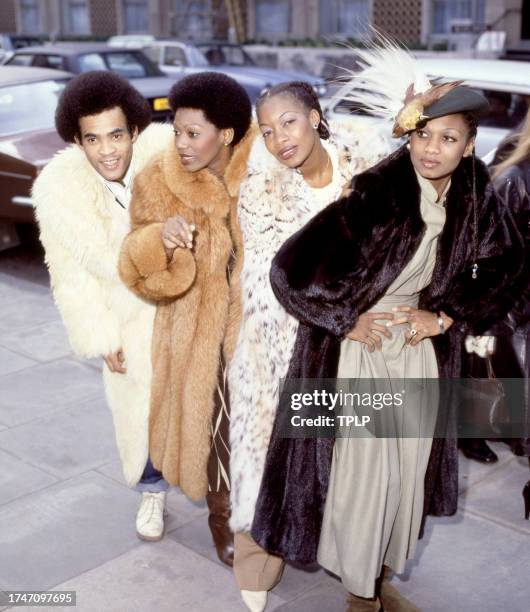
(115, 362)
(176, 232)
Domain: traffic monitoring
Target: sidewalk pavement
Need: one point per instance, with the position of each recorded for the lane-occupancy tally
(67, 519)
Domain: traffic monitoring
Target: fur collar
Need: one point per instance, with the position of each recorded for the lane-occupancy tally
(202, 189)
(396, 177)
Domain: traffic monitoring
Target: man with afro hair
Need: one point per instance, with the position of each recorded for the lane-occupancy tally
(82, 198)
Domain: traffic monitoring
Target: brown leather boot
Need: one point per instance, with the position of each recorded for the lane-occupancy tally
(223, 538)
(391, 598)
(362, 604)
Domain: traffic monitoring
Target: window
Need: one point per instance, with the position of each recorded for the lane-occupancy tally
(135, 16)
(192, 19)
(55, 62)
(348, 17)
(126, 65)
(273, 16)
(40, 60)
(18, 106)
(153, 53)
(445, 11)
(75, 17)
(91, 61)
(506, 110)
(174, 56)
(20, 60)
(29, 16)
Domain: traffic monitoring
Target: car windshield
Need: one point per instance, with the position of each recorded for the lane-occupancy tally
(129, 65)
(226, 55)
(29, 106)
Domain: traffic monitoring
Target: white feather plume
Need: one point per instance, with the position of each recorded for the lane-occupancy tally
(386, 72)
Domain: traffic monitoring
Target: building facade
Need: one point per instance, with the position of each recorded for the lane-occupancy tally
(453, 23)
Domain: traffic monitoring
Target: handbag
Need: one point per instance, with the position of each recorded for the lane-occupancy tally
(483, 408)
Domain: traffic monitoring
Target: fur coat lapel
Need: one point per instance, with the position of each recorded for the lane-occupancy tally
(337, 267)
(202, 189)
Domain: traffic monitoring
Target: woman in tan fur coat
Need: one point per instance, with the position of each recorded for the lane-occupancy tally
(184, 248)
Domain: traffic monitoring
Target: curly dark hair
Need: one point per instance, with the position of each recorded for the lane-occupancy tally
(93, 92)
(303, 93)
(223, 100)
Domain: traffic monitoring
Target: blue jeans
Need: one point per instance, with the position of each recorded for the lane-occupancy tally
(152, 480)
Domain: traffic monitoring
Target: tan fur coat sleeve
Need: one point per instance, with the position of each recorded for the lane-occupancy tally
(144, 266)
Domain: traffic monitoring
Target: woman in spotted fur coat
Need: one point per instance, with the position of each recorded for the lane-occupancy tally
(307, 170)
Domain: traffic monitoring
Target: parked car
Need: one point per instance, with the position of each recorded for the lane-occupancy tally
(9, 43)
(132, 64)
(178, 59)
(506, 84)
(28, 140)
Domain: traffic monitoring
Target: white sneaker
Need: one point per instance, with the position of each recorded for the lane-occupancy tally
(150, 517)
(256, 600)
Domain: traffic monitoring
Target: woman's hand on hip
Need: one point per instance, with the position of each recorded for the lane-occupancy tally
(423, 324)
(369, 332)
(177, 232)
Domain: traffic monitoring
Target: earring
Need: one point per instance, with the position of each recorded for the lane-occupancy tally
(315, 126)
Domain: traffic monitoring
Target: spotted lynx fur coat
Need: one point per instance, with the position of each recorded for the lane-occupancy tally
(274, 202)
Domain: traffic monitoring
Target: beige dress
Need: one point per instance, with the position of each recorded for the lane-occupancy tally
(375, 499)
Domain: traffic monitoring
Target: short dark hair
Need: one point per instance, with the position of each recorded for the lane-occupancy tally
(304, 93)
(224, 102)
(92, 93)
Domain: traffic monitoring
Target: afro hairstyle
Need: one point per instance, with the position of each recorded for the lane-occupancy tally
(223, 100)
(92, 93)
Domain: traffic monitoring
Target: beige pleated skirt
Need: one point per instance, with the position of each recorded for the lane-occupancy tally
(374, 505)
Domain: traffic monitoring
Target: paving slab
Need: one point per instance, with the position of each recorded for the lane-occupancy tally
(65, 443)
(468, 563)
(161, 577)
(45, 342)
(17, 478)
(14, 287)
(471, 472)
(325, 597)
(296, 581)
(499, 497)
(31, 309)
(11, 361)
(52, 535)
(47, 388)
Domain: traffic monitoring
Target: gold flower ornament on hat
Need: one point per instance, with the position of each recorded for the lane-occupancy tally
(414, 107)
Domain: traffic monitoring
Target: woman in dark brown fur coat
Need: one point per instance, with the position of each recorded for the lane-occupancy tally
(385, 283)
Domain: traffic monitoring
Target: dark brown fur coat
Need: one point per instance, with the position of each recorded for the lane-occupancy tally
(337, 267)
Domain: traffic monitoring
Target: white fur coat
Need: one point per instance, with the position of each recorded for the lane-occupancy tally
(274, 203)
(82, 228)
